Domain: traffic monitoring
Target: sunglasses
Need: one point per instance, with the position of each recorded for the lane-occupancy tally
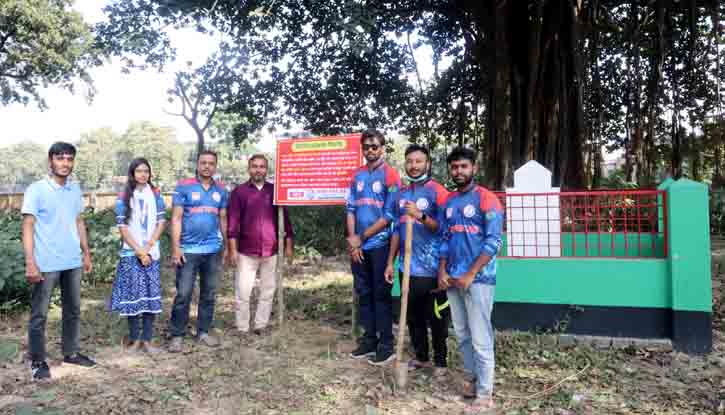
(373, 147)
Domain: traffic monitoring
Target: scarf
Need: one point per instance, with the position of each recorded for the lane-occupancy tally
(142, 223)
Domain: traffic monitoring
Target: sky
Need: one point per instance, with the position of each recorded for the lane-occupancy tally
(120, 98)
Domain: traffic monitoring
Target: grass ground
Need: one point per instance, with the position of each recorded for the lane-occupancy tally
(303, 368)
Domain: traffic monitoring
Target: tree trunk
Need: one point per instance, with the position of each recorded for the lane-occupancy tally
(653, 92)
(634, 160)
(537, 96)
(199, 140)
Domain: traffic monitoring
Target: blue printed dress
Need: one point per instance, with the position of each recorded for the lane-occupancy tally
(137, 288)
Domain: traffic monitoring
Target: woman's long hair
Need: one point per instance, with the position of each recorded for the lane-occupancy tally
(131, 183)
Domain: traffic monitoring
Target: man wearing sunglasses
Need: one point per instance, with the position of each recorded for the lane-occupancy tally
(369, 213)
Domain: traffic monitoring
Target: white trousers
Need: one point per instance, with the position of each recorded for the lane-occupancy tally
(246, 275)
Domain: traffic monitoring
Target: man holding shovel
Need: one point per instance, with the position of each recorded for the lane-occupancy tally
(421, 202)
(472, 223)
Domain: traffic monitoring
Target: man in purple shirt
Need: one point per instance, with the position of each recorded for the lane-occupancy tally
(253, 243)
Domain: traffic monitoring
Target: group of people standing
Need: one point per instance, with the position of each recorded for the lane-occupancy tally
(209, 228)
(456, 237)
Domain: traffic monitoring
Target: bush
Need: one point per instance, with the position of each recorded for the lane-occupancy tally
(14, 289)
(103, 238)
(318, 229)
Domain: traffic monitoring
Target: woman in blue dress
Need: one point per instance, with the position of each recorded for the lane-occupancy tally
(141, 217)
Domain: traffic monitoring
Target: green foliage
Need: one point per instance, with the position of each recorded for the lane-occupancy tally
(321, 228)
(103, 239)
(617, 180)
(42, 42)
(23, 163)
(103, 156)
(14, 289)
(104, 242)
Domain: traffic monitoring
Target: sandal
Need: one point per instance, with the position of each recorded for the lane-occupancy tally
(480, 406)
(415, 364)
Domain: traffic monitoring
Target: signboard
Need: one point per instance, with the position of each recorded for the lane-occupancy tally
(315, 170)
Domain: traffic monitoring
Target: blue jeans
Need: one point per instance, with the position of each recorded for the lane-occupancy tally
(147, 319)
(375, 302)
(70, 292)
(207, 266)
(471, 314)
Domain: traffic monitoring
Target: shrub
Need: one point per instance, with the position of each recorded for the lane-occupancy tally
(318, 229)
(103, 238)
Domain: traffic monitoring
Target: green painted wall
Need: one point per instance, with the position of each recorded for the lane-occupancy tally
(681, 281)
(590, 281)
(689, 245)
(574, 245)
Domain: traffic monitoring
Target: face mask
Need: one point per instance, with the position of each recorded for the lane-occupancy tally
(421, 178)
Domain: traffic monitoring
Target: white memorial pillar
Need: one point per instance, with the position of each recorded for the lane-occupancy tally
(533, 217)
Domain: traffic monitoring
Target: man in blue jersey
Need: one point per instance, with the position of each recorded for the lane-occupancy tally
(369, 213)
(421, 202)
(198, 239)
(472, 222)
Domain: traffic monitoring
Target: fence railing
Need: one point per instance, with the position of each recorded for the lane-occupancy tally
(93, 200)
(620, 224)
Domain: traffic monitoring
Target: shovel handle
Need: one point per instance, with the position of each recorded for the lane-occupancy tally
(404, 288)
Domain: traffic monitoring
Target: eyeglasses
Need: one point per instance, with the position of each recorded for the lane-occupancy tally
(373, 147)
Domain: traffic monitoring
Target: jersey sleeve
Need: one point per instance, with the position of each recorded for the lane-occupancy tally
(121, 211)
(179, 198)
(395, 220)
(350, 197)
(392, 185)
(493, 223)
(160, 206)
(225, 199)
(443, 230)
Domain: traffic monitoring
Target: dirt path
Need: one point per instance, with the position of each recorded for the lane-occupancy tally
(303, 369)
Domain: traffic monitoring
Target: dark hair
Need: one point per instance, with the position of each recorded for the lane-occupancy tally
(59, 148)
(417, 147)
(131, 183)
(374, 134)
(207, 153)
(258, 157)
(461, 153)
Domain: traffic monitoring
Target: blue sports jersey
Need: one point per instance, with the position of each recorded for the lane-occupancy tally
(472, 222)
(200, 230)
(430, 197)
(371, 197)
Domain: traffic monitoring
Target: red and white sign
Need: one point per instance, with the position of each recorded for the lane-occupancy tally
(315, 170)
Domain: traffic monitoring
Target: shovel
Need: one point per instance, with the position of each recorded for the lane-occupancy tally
(401, 367)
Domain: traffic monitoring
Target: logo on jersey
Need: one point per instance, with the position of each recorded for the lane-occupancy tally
(360, 185)
(217, 197)
(422, 203)
(469, 211)
(449, 213)
(377, 187)
(195, 196)
(490, 215)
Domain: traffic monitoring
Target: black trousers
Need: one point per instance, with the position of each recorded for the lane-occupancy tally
(421, 316)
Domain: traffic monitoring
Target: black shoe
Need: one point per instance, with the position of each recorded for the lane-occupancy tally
(80, 360)
(40, 370)
(363, 350)
(382, 357)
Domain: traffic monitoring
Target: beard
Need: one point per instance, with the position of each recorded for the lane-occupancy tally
(464, 183)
